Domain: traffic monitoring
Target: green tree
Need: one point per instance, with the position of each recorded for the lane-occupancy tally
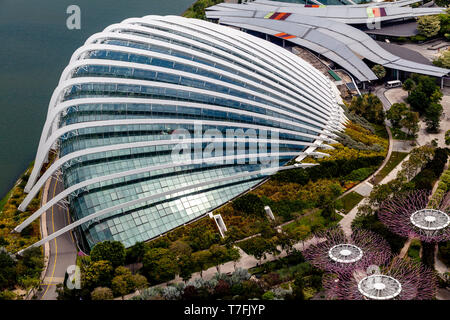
(201, 239)
(368, 106)
(97, 274)
(379, 71)
(410, 122)
(298, 287)
(7, 270)
(428, 26)
(180, 248)
(418, 99)
(120, 286)
(424, 93)
(445, 22)
(135, 253)
(202, 259)
(442, 3)
(186, 266)
(418, 158)
(408, 85)
(159, 265)
(433, 117)
(396, 113)
(134, 282)
(218, 255)
(234, 255)
(139, 281)
(113, 251)
(102, 293)
(259, 247)
(443, 60)
(249, 204)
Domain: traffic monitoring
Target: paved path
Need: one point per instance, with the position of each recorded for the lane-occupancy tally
(62, 250)
(403, 145)
(366, 187)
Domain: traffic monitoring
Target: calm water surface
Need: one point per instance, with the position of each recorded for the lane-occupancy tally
(35, 47)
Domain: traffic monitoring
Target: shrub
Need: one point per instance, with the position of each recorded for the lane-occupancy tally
(249, 204)
(222, 288)
(113, 251)
(401, 39)
(418, 38)
(268, 295)
(428, 26)
(102, 293)
(359, 174)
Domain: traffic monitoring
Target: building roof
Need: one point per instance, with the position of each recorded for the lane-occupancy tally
(404, 52)
(346, 14)
(129, 88)
(339, 42)
(397, 29)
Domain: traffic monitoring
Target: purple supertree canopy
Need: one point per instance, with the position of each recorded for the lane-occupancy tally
(403, 279)
(336, 253)
(407, 215)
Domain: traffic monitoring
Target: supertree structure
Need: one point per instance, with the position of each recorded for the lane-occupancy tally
(336, 253)
(407, 215)
(403, 279)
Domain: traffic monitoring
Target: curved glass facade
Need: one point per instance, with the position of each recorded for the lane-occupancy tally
(130, 88)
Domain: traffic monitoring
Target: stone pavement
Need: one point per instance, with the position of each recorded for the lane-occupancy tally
(402, 145)
(364, 188)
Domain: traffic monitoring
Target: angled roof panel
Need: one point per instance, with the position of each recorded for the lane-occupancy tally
(345, 14)
(346, 42)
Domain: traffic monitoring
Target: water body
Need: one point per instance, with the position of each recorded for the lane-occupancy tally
(35, 47)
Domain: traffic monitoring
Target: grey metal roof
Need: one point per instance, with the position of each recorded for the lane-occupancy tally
(348, 14)
(404, 53)
(400, 3)
(310, 38)
(339, 42)
(401, 29)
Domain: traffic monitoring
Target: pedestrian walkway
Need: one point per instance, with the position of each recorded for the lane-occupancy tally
(364, 189)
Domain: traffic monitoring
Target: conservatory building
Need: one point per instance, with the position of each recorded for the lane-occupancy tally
(157, 121)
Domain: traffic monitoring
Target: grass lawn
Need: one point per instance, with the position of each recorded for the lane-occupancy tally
(349, 201)
(380, 130)
(394, 160)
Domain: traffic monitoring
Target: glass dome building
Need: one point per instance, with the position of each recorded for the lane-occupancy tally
(137, 93)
